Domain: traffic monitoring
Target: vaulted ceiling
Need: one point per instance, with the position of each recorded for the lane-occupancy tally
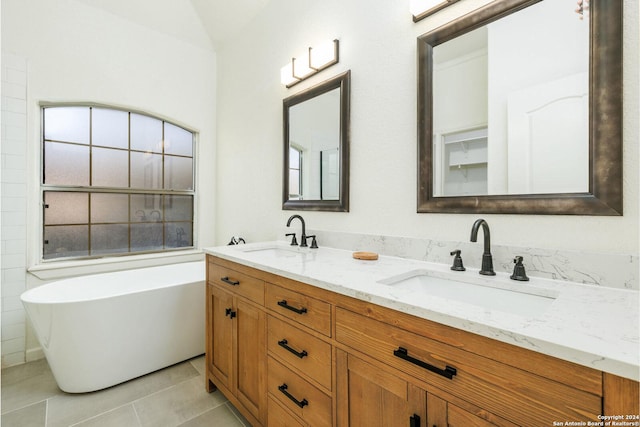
(204, 23)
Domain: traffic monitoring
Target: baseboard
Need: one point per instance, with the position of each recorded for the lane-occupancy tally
(34, 354)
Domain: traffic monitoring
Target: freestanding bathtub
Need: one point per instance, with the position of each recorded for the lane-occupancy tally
(100, 330)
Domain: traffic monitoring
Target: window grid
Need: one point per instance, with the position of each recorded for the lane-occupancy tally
(164, 196)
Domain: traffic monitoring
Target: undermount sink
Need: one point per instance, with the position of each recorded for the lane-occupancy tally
(518, 298)
(275, 251)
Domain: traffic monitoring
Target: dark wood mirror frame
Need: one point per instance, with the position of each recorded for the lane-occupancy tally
(605, 120)
(342, 81)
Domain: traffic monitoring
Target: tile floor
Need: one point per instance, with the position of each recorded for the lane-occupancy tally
(172, 397)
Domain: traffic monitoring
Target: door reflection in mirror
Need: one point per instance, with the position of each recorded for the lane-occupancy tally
(523, 78)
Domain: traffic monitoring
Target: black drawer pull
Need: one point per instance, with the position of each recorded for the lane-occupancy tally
(226, 279)
(301, 403)
(229, 312)
(284, 304)
(283, 344)
(447, 372)
(414, 420)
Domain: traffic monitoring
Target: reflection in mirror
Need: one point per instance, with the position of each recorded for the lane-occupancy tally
(316, 130)
(511, 119)
(532, 121)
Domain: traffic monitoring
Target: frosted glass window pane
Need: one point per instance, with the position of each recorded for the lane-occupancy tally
(178, 173)
(294, 158)
(146, 237)
(66, 164)
(146, 171)
(178, 234)
(177, 140)
(146, 208)
(146, 133)
(110, 128)
(178, 208)
(108, 239)
(110, 167)
(70, 124)
(116, 153)
(107, 207)
(294, 182)
(66, 208)
(66, 241)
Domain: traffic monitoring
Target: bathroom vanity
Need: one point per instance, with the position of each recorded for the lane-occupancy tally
(313, 337)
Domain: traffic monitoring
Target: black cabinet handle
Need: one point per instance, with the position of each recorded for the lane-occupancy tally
(283, 344)
(301, 403)
(229, 312)
(226, 279)
(284, 304)
(414, 420)
(447, 372)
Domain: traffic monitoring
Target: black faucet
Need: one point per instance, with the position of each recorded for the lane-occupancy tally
(303, 238)
(487, 260)
(519, 272)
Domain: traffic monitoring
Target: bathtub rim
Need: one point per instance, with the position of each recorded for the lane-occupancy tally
(31, 296)
(60, 269)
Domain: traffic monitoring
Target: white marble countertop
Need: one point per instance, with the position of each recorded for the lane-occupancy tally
(589, 325)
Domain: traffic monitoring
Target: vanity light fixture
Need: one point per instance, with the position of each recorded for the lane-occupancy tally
(422, 8)
(309, 63)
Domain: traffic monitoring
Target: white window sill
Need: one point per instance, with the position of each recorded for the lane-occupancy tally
(62, 269)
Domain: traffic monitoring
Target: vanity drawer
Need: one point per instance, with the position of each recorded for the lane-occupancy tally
(236, 282)
(278, 417)
(299, 350)
(506, 391)
(299, 396)
(310, 312)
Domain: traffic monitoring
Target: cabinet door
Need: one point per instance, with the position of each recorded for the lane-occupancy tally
(436, 411)
(221, 311)
(441, 413)
(373, 397)
(251, 351)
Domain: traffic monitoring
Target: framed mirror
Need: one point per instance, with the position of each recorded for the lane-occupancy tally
(316, 147)
(520, 110)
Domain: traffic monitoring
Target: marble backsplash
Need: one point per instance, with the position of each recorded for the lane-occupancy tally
(600, 269)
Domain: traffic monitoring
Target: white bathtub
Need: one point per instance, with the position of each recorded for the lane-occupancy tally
(100, 330)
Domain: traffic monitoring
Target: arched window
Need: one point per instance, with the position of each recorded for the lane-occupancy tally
(114, 182)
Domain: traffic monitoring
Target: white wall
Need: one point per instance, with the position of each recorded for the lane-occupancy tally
(378, 43)
(14, 206)
(74, 52)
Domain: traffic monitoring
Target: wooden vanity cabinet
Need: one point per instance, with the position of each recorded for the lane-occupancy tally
(236, 340)
(347, 362)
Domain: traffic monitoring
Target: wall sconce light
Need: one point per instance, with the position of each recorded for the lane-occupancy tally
(422, 8)
(309, 63)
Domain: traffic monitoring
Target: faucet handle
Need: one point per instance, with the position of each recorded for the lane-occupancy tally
(314, 243)
(518, 270)
(294, 241)
(457, 261)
